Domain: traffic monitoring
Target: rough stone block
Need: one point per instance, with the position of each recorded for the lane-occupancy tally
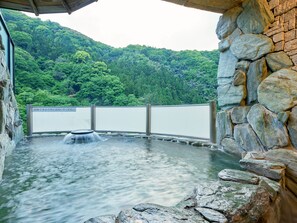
(271, 132)
(231, 95)
(251, 46)
(292, 126)
(278, 92)
(226, 43)
(277, 21)
(225, 81)
(255, 17)
(239, 114)
(287, 157)
(269, 169)
(238, 202)
(291, 53)
(227, 64)
(102, 219)
(290, 15)
(256, 74)
(277, 61)
(227, 22)
(284, 7)
(224, 126)
(273, 191)
(294, 59)
(254, 155)
(291, 45)
(230, 146)
(239, 78)
(5, 93)
(275, 186)
(273, 4)
(212, 215)
(5, 145)
(243, 65)
(238, 176)
(247, 139)
(157, 213)
(279, 46)
(290, 35)
(275, 30)
(279, 37)
(283, 117)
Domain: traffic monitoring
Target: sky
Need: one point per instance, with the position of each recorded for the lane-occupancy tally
(145, 22)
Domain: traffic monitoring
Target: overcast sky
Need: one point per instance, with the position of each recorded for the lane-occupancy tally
(146, 22)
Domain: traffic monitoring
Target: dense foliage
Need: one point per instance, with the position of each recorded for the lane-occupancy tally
(59, 66)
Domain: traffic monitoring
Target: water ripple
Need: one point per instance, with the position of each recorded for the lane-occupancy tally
(47, 181)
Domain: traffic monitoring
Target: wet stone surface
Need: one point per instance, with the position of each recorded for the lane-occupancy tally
(156, 213)
(102, 219)
(272, 170)
(212, 215)
(212, 201)
(238, 176)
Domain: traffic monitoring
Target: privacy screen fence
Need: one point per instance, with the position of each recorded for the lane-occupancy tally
(194, 121)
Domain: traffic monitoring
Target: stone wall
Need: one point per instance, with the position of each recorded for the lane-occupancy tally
(11, 131)
(257, 78)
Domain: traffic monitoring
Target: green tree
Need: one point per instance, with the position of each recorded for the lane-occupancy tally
(23, 40)
(81, 56)
(102, 90)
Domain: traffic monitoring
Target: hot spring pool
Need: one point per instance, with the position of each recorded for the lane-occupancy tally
(48, 181)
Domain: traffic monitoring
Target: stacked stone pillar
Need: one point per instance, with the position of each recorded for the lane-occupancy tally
(11, 131)
(257, 76)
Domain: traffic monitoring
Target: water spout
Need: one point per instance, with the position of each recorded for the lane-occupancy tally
(81, 137)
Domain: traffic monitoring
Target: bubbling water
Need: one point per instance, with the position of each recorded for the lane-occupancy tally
(81, 137)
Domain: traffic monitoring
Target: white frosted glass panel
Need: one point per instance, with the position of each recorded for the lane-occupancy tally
(61, 119)
(181, 120)
(124, 119)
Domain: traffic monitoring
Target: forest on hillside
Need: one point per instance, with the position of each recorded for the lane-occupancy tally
(57, 66)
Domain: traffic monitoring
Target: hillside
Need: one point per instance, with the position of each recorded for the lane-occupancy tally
(59, 66)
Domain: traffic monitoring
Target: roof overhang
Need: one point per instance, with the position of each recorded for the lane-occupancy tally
(69, 6)
(45, 6)
(218, 6)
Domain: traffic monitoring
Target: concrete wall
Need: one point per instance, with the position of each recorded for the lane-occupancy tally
(257, 78)
(11, 131)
